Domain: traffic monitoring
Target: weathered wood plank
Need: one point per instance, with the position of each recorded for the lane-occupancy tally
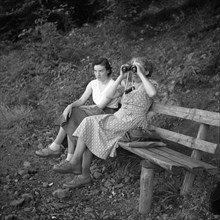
(186, 163)
(189, 177)
(208, 167)
(146, 190)
(201, 116)
(154, 158)
(141, 144)
(185, 140)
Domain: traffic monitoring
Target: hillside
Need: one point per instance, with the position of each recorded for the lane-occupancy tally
(44, 71)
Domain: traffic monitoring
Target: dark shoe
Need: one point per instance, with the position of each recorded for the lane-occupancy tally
(77, 182)
(66, 167)
(47, 152)
(60, 167)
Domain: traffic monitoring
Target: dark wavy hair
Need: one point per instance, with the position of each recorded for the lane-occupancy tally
(103, 62)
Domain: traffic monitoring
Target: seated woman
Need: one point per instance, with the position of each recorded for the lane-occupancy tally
(100, 134)
(77, 111)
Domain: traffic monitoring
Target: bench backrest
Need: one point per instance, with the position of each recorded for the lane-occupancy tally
(203, 117)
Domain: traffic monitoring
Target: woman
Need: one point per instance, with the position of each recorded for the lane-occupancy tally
(100, 134)
(77, 111)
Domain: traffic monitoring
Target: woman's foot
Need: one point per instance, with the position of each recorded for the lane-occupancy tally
(66, 167)
(61, 167)
(77, 182)
(48, 153)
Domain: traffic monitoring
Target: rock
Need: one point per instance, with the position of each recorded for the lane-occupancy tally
(50, 184)
(61, 193)
(22, 172)
(32, 171)
(5, 187)
(88, 209)
(26, 176)
(36, 193)
(40, 146)
(95, 192)
(27, 197)
(96, 174)
(26, 164)
(58, 205)
(7, 178)
(17, 202)
(11, 217)
(45, 184)
(27, 209)
(189, 56)
(120, 185)
(94, 167)
(113, 213)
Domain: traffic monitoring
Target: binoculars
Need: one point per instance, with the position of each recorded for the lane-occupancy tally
(125, 68)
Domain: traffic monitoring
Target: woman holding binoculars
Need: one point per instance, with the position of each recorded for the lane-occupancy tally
(99, 134)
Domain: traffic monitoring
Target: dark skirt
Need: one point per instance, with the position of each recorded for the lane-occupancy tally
(78, 114)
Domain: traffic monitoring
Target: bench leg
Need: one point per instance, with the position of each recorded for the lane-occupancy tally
(187, 183)
(196, 154)
(146, 187)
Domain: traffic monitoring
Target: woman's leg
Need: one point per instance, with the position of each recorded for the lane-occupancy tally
(53, 150)
(77, 158)
(75, 163)
(84, 178)
(71, 147)
(60, 136)
(63, 166)
(86, 163)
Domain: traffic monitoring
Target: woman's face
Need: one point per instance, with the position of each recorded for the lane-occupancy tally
(136, 78)
(100, 72)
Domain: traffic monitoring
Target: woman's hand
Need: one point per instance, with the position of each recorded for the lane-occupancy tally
(140, 68)
(67, 111)
(142, 73)
(123, 75)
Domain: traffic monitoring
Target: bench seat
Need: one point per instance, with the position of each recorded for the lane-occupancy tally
(160, 154)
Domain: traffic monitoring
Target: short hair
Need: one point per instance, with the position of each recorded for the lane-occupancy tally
(148, 66)
(103, 62)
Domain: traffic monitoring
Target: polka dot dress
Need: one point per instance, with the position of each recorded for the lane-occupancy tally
(102, 132)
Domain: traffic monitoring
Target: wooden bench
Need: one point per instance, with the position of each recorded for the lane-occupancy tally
(169, 159)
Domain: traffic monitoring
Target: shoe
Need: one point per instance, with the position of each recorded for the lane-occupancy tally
(60, 166)
(66, 167)
(47, 152)
(77, 182)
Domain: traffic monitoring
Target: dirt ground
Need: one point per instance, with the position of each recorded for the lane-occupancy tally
(28, 184)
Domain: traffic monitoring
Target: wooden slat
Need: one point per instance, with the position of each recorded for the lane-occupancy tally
(184, 160)
(180, 155)
(155, 158)
(185, 140)
(142, 144)
(187, 164)
(190, 177)
(201, 116)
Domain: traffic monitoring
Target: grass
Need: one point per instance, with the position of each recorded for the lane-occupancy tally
(38, 81)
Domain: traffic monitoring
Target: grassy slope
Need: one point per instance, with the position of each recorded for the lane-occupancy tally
(38, 79)
(42, 76)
